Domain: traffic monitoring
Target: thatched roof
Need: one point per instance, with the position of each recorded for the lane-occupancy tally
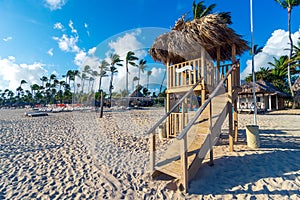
(261, 87)
(185, 40)
(296, 86)
(136, 93)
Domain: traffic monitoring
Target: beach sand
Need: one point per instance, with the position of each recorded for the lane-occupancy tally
(76, 155)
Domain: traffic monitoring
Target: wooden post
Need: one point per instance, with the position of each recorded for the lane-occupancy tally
(182, 116)
(235, 120)
(235, 78)
(169, 121)
(170, 76)
(219, 75)
(229, 93)
(211, 153)
(152, 153)
(184, 164)
(202, 75)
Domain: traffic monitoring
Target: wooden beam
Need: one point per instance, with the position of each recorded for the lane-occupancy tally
(184, 163)
(203, 74)
(235, 121)
(152, 153)
(211, 154)
(169, 121)
(229, 93)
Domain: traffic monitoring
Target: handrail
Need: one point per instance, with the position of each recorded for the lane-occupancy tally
(174, 107)
(203, 106)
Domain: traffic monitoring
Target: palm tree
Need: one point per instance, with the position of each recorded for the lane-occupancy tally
(129, 60)
(115, 60)
(148, 76)
(200, 10)
(279, 73)
(289, 4)
(142, 66)
(69, 76)
(103, 68)
(20, 87)
(262, 74)
(83, 78)
(75, 74)
(133, 80)
(256, 50)
(52, 77)
(44, 79)
(93, 74)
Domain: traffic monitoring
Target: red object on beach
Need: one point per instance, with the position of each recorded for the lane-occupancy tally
(60, 105)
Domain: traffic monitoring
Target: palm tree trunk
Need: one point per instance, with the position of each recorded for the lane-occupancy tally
(110, 87)
(139, 77)
(126, 83)
(147, 82)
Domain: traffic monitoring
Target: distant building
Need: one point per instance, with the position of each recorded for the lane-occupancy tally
(268, 97)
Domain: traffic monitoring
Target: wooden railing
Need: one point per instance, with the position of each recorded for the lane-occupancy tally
(189, 72)
(184, 74)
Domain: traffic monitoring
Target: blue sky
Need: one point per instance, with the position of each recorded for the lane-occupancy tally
(40, 37)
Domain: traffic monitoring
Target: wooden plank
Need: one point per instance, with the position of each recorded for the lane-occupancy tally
(183, 89)
(230, 118)
(152, 153)
(184, 164)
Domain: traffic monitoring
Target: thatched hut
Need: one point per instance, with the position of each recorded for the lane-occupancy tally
(268, 97)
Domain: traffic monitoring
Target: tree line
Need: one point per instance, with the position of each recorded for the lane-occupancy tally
(76, 86)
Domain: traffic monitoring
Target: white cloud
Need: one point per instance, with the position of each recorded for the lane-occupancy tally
(92, 51)
(17, 72)
(80, 58)
(67, 44)
(86, 27)
(50, 52)
(121, 46)
(55, 4)
(58, 26)
(128, 42)
(276, 46)
(7, 39)
(72, 27)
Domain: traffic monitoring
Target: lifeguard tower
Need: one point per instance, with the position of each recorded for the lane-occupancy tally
(193, 52)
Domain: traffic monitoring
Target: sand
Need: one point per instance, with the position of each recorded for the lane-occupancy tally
(76, 155)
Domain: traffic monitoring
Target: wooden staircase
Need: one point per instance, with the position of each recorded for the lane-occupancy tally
(170, 162)
(184, 156)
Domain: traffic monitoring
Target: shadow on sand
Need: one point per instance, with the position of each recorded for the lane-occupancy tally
(278, 157)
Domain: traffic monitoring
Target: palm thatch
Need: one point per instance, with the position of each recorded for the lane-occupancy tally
(296, 85)
(296, 88)
(185, 40)
(261, 88)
